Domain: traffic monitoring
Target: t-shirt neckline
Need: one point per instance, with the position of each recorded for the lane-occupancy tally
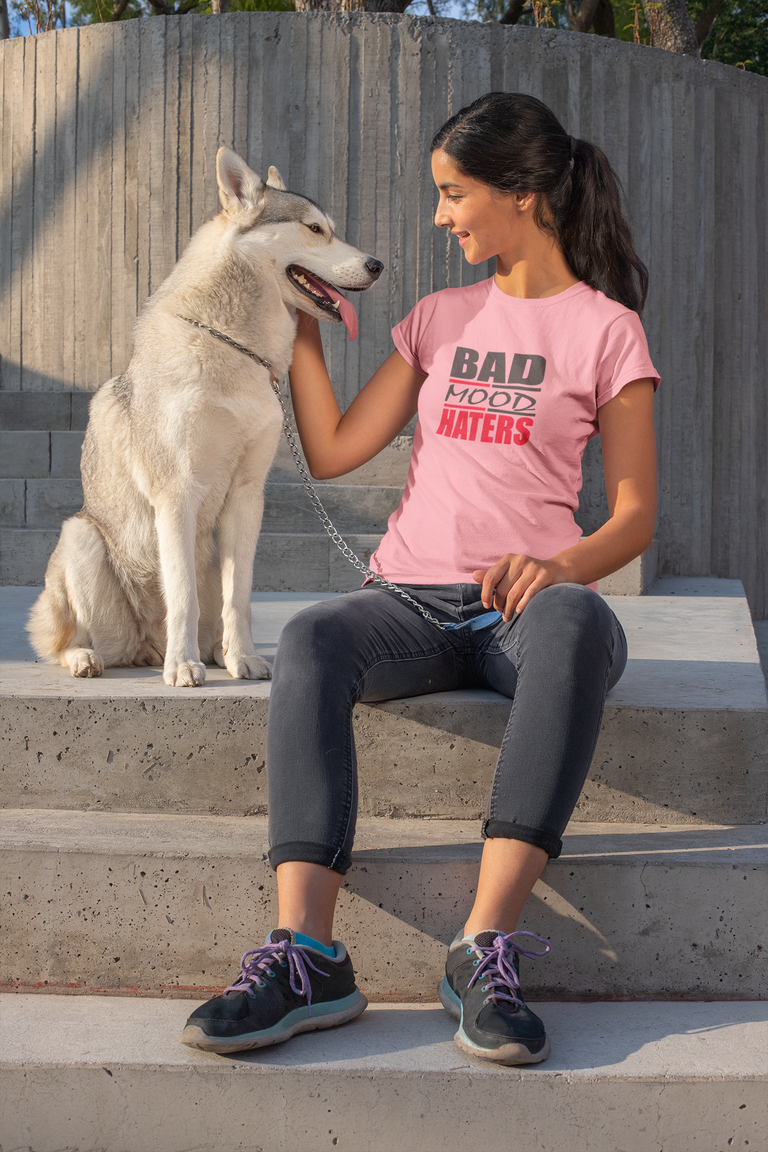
(539, 301)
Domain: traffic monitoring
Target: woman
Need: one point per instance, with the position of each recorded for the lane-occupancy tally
(510, 378)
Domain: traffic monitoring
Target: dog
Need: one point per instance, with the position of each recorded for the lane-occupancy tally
(156, 569)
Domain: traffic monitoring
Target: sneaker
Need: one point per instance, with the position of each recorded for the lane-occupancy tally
(284, 988)
(481, 988)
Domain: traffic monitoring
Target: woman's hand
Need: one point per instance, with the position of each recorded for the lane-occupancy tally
(629, 464)
(516, 580)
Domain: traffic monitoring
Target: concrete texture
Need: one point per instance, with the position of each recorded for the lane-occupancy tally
(684, 732)
(12, 508)
(65, 454)
(634, 578)
(24, 454)
(761, 635)
(307, 561)
(101, 1075)
(33, 411)
(388, 469)
(24, 554)
(353, 508)
(46, 502)
(50, 501)
(95, 119)
(168, 903)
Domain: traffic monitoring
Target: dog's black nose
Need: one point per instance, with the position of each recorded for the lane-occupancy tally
(374, 266)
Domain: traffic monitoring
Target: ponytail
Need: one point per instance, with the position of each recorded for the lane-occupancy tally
(514, 143)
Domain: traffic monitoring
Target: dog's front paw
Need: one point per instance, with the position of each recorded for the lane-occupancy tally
(188, 674)
(247, 667)
(85, 662)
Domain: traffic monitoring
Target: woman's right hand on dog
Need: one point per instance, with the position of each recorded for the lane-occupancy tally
(335, 443)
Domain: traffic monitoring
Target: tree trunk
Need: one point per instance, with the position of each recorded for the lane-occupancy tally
(5, 27)
(706, 20)
(671, 26)
(604, 22)
(581, 18)
(512, 12)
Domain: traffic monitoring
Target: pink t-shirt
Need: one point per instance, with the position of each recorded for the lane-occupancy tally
(509, 402)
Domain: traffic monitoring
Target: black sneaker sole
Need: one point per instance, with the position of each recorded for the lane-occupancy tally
(513, 1053)
(323, 1016)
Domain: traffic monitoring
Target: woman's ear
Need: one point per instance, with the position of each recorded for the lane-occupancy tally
(525, 201)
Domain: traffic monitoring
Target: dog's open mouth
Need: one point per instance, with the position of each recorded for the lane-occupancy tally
(325, 296)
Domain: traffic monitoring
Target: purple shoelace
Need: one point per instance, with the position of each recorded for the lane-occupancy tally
(497, 965)
(257, 962)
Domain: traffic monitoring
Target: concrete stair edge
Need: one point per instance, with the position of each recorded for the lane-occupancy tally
(165, 904)
(100, 1073)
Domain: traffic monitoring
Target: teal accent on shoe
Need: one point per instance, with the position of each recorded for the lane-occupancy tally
(449, 993)
(300, 1014)
(310, 942)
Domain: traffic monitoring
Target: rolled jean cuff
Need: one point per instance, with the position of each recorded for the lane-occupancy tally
(504, 830)
(308, 853)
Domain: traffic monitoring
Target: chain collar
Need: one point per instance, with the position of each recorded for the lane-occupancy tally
(232, 343)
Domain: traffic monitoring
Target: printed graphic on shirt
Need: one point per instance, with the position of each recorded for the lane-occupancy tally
(484, 403)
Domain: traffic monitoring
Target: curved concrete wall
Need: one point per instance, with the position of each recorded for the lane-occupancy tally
(107, 148)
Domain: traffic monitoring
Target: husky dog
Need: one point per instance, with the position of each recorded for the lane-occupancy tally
(157, 567)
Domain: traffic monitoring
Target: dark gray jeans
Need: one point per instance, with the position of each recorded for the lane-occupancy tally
(556, 661)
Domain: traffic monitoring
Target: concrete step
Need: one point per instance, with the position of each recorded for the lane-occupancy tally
(98, 1073)
(285, 561)
(45, 503)
(54, 450)
(33, 411)
(40, 454)
(683, 739)
(103, 901)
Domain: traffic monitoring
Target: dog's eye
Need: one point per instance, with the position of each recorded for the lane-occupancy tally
(315, 228)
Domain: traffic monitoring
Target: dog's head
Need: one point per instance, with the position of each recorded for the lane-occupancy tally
(312, 265)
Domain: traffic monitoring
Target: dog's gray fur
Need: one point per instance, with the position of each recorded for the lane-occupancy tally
(157, 567)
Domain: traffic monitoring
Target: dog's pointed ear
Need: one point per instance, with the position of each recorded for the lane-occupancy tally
(274, 179)
(240, 189)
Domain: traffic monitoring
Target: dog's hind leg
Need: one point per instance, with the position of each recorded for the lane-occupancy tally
(82, 619)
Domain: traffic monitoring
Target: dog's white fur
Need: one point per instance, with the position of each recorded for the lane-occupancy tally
(157, 567)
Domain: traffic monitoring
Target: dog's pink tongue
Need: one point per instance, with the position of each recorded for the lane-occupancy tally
(346, 311)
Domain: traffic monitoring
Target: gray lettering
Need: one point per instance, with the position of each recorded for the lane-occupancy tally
(465, 364)
(527, 370)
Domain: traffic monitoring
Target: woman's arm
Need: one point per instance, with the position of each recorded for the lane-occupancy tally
(629, 464)
(335, 444)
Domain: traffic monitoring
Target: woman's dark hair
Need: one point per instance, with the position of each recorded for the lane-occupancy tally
(514, 143)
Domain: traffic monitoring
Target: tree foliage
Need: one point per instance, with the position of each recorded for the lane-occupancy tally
(734, 32)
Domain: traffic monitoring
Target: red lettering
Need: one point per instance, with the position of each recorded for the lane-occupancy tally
(474, 420)
(446, 422)
(504, 429)
(487, 433)
(460, 428)
(523, 434)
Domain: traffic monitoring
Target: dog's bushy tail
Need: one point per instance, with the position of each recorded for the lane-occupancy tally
(51, 623)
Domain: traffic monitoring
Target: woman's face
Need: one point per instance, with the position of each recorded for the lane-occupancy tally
(486, 224)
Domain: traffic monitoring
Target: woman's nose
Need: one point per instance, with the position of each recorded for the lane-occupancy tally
(442, 218)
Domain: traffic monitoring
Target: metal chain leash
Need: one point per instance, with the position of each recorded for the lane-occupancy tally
(325, 519)
(309, 487)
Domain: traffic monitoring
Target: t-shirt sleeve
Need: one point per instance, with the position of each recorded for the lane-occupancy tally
(625, 358)
(411, 335)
